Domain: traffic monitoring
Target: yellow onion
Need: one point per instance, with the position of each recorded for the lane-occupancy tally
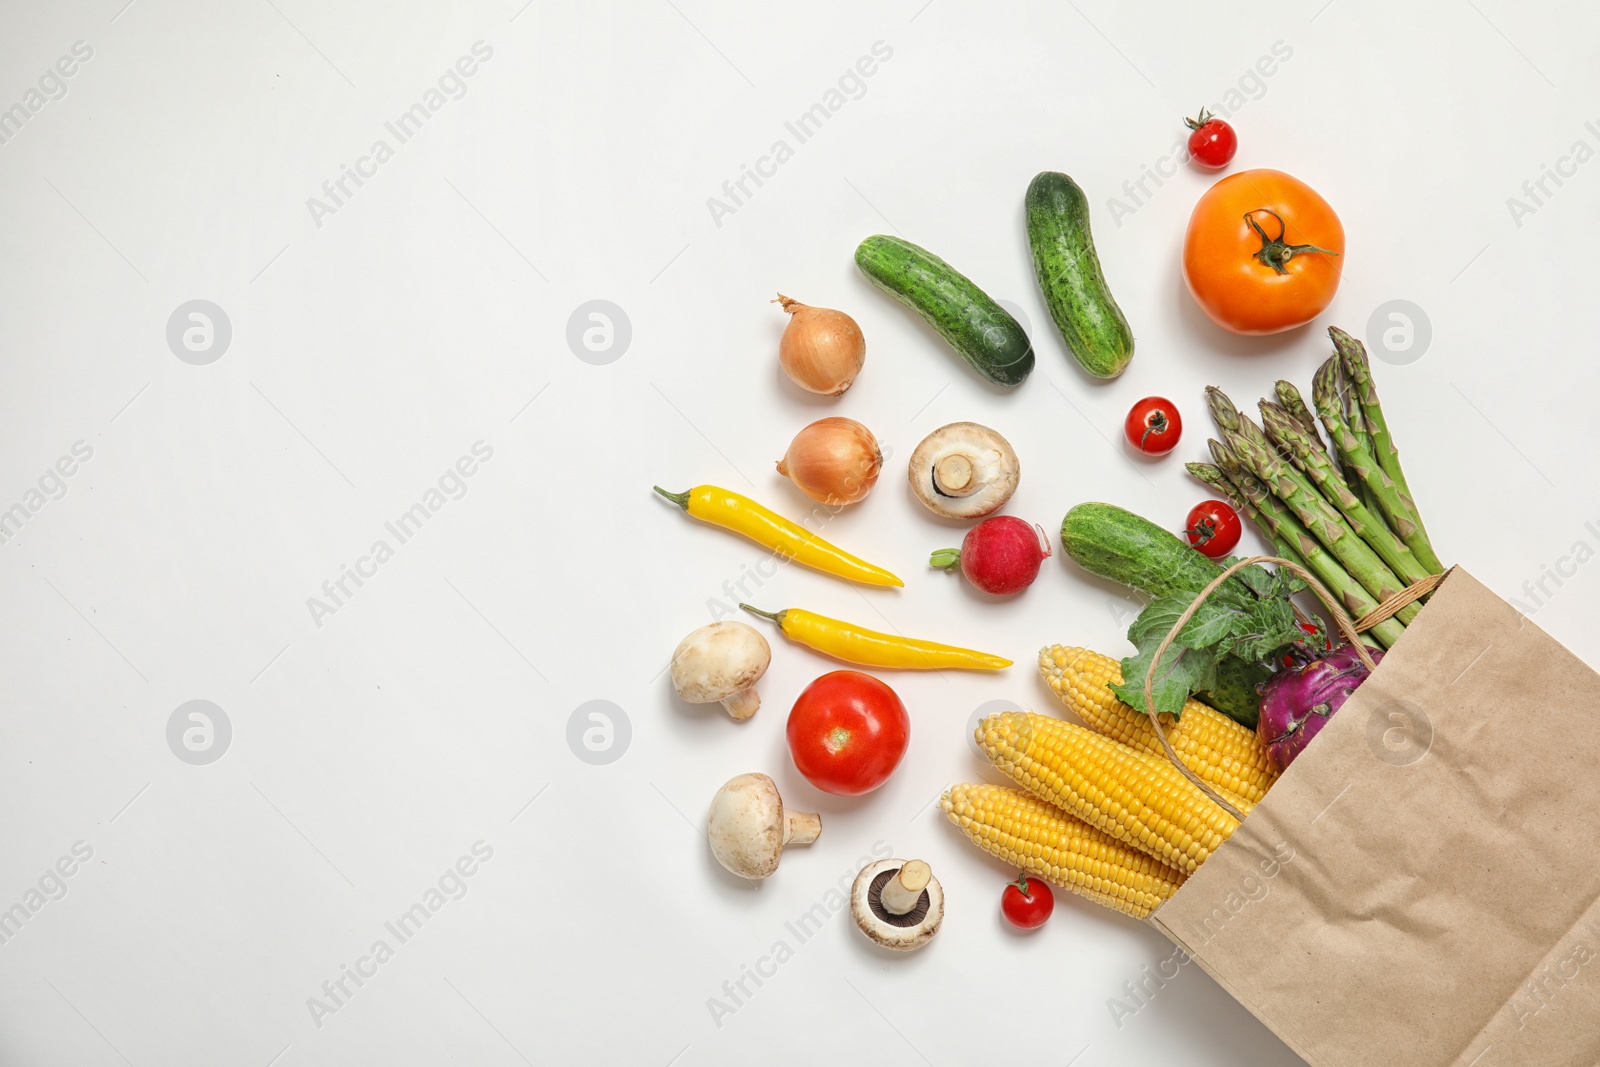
(821, 350)
(834, 461)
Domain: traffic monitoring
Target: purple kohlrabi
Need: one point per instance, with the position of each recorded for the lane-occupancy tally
(1298, 701)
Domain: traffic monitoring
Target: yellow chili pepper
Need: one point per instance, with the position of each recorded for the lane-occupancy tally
(854, 644)
(731, 511)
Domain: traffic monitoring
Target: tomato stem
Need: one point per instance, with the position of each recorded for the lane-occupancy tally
(1157, 424)
(1195, 124)
(1274, 251)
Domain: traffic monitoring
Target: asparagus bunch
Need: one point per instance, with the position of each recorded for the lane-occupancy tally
(1342, 508)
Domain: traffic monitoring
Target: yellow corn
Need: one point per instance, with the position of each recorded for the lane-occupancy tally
(1133, 796)
(1220, 751)
(1043, 840)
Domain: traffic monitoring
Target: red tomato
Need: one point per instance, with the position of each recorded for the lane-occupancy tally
(847, 733)
(1213, 142)
(1213, 528)
(1027, 902)
(1153, 426)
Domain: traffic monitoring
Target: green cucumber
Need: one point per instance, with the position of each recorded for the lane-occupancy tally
(1074, 288)
(986, 336)
(1117, 544)
(1235, 693)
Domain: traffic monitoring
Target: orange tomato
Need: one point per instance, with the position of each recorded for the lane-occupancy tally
(1263, 252)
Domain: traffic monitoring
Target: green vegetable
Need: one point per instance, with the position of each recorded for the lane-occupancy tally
(1284, 432)
(1357, 421)
(1236, 687)
(1397, 508)
(1295, 404)
(1250, 444)
(1068, 270)
(1212, 654)
(1117, 544)
(1250, 627)
(1358, 375)
(1277, 523)
(989, 339)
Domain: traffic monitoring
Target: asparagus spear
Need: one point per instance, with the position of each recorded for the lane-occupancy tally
(1359, 461)
(1276, 522)
(1358, 375)
(1295, 404)
(1357, 421)
(1250, 444)
(1276, 417)
(1285, 432)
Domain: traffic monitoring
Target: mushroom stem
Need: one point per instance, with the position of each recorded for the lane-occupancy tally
(801, 827)
(742, 704)
(901, 893)
(953, 475)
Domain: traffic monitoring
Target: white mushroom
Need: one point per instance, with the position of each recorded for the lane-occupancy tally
(964, 471)
(722, 662)
(898, 904)
(749, 828)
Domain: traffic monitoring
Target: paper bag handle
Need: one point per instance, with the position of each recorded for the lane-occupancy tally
(1341, 618)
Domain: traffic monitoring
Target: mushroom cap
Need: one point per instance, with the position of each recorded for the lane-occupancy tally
(746, 826)
(901, 933)
(976, 455)
(719, 660)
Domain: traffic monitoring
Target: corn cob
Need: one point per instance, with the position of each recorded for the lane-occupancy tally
(1043, 840)
(1224, 754)
(1134, 797)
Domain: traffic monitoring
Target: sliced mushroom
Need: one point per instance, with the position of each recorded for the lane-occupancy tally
(749, 828)
(898, 904)
(722, 661)
(964, 471)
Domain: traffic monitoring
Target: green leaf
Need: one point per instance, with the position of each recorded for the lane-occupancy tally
(1271, 626)
(1182, 671)
(1213, 622)
(1285, 582)
(1257, 577)
(1157, 619)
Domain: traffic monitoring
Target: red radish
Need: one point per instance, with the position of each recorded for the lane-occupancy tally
(1000, 555)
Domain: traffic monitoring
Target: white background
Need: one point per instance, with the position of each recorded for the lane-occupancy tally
(370, 352)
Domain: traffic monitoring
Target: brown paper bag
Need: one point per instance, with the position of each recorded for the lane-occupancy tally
(1422, 886)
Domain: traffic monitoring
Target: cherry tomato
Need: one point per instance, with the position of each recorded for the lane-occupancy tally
(1263, 252)
(1213, 142)
(847, 733)
(1153, 426)
(1213, 528)
(1027, 902)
